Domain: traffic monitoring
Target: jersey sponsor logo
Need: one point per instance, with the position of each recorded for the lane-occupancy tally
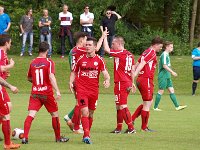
(96, 63)
(90, 74)
(39, 89)
(84, 63)
(38, 65)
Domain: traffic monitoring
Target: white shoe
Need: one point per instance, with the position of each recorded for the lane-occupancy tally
(181, 107)
(79, 131)
(157, 109)
(30, 54)
(22, 54)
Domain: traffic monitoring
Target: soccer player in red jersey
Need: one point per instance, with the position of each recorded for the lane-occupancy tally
(86, 75)
(124, 82)
(41, 75)
(5, 104)
(73, 118)
(145, 67)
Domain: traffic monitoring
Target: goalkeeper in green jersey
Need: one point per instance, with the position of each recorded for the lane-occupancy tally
(164, 78)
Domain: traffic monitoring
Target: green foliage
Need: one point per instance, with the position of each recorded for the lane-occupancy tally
(136, 40)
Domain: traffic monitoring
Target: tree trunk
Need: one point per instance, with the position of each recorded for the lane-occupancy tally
(194, 10)
(167, 14)
(198, 21)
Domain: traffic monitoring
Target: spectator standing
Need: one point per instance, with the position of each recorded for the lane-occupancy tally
(45, 30)
(26, 26)
(65, 18)
(4, 21)
(86, 21)
(109, 22)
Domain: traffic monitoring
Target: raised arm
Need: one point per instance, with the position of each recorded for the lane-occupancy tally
(118, 16)
(55, 86)
(104, 34)
(106, 76)
(106, 46)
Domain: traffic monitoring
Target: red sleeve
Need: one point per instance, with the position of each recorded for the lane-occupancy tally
(102, 65)
(76, 66)
(51, 67)
(149, 56)
(115, 53)
(29, 72)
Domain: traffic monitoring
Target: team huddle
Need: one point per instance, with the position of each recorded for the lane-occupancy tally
(86, 67)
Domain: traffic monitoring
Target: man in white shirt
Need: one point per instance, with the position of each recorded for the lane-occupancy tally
(86, 21)
(65, 18)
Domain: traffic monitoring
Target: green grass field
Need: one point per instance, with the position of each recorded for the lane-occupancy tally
(176, 130)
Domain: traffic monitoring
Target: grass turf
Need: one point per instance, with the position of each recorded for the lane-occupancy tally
(175, 129)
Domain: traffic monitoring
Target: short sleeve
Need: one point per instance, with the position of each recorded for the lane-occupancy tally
(8, 19)
(194, 53)
(51, 67)
(29, 72)
(71, 17)
(149, 56)
(59, 17)
(50, 19)
(81, 16)
(115, 53)
(91, 15)
(21, 20)
(102, 65)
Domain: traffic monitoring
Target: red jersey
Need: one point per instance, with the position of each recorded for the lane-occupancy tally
(3, 62)
(149, 57)
(76, 53)
(39, 71)
(88, 70)
(123, 62)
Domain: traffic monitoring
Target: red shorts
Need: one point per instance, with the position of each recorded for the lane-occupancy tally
(5, 95)
(122, 91)
(146, 87)
(4, 109)
(87, 99)
(37, 101)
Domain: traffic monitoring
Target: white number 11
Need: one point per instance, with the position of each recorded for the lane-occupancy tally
(39, 76)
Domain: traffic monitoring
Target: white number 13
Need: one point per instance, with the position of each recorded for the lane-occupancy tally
(39, 76)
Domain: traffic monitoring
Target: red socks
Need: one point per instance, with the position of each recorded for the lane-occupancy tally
(27, 126)
(56, 127)
(145, 118)
(6, 131)
(127, 118)
(119, 119)
(90, 122)
(137, 112)
(76, 118)
(85, 124)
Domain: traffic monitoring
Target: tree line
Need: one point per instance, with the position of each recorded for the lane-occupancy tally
(174, 20)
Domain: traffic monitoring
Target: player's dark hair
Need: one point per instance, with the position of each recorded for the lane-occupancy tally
(4, 38)
(79, 35)
(167, 43)
(157, 40)
(198, 44)
(86, 5)
(43, 47)
(92, 39)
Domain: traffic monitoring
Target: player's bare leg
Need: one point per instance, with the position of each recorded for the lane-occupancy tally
(85, 124)
(8, 144)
